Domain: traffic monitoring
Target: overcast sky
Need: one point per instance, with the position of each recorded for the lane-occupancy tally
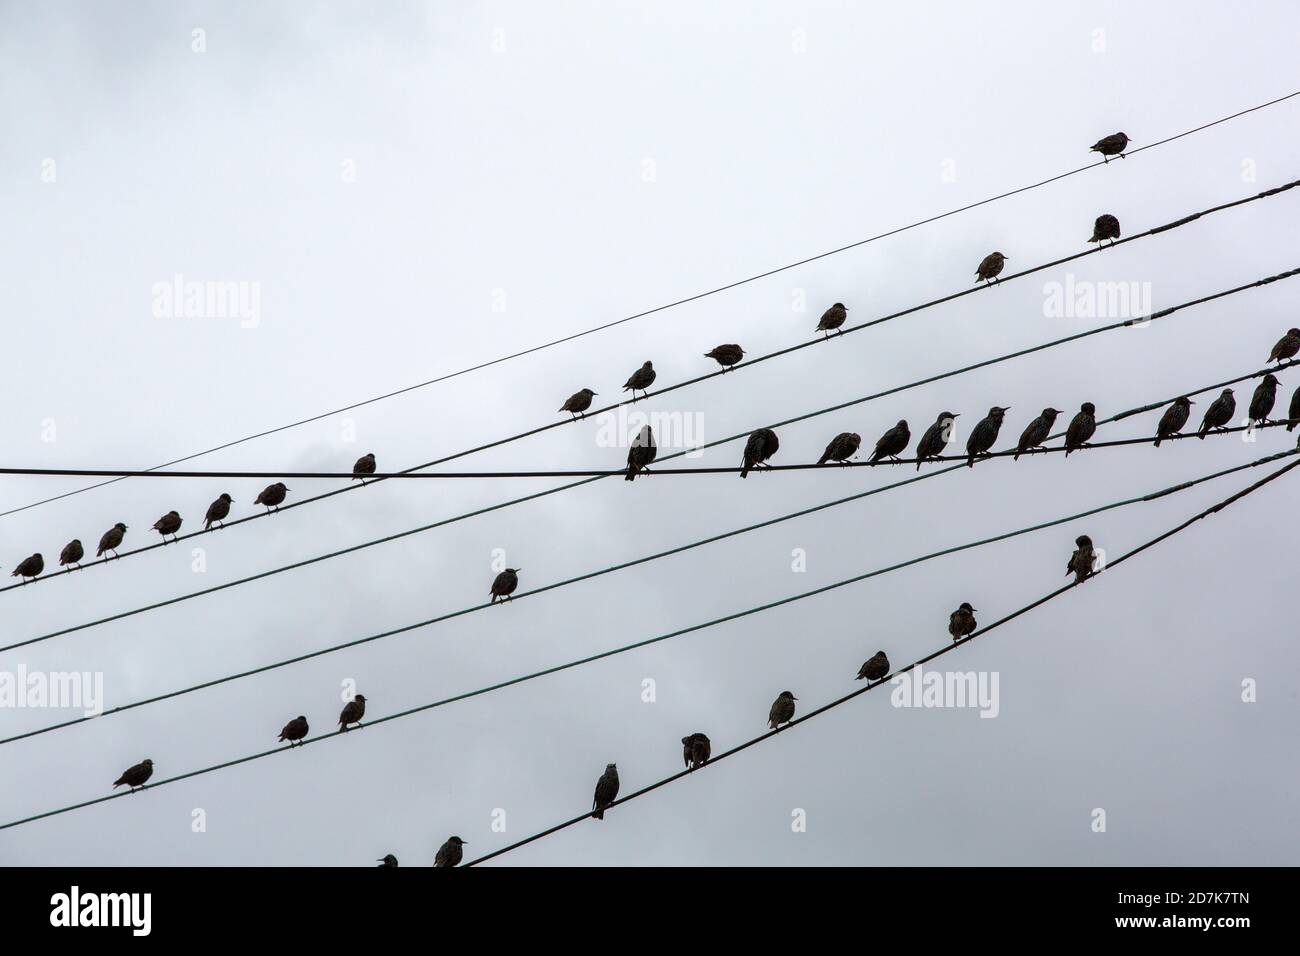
(417, 187)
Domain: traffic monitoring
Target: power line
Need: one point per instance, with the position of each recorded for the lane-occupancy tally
(666, 306)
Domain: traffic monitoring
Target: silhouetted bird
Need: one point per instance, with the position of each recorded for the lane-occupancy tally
(168, 524)
(782, 711)
(578, 402)
(504, 584)
(892, 442)
(961, 621)
(111, 539)
(365, 465)
(352, 712)
(1287, 346)
(1036, 432)
(1081, 562)
(832, 318)
(1293, 413)
(761, 446)
(990, 267)
(450, 853)
(726, 355)
(1112, 145)
(935, 440)
(876, 667)
(1218, 414)
(842, 447)
(217, 511)
(983, 435)
(640, 380)
(696, 750)
(29, 568)
(1106, 227)
(388, 861)
(606, 791)
(135, 776)
(1081, 428)
(294, 730)
(1261, 403)
(642, 452)
(272, 496)
(1174, 418)
(72, 553)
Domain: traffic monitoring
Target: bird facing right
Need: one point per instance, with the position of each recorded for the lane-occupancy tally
(352, 712)
(606, 791)
(1112, 145)
(985, 434)
(450, 853)
(990, 268)
(168, 524)
(841, 448)
(135, 776)
(295, 730)
(365, 465)
(72, 553)
(1174, 418)
(893, 442)
(29, 568)
(640, 380)
(272, 496)
(1036, 432)
(1261, 403)
(111, 539)
(217, 512)
(1106, 227)
(936, 438)
(876, 667)
(832, 319)
(961, 621)
(642, 452)
(726, 355)
(1081, 428)
(1219, 414)
(1287, 346)
(761, 446)
(578, 402)
(504, 584)
(782, 711)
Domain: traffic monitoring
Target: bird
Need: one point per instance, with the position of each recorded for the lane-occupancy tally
(761, 446)
(640, 380)
(696, 750)
(135, 776)
(1081, 428)
(168, 524)
(389, 861)
(1081, 562)
(606, 791)
(1261, 403)
(726, 355)
(1293, 413)
(984, 434)
(450, 853)
(504, 584)
(111, 539)
(990, 266)
(217, 512)
(1174, 418)
(72, 553)
(294, 730)
(1112, 145)
(365, 465)
(876, 667)
(936, 437)
(352, 712)
(1036, 432)
(29, 568)
(578, 402)
(1218, 414)
(832, 319)
(642, 452)
(892, 442)
(1287, 346)
(271, 496)
(961, 621)
(1106, 227)
(842, 447)
(782, 711)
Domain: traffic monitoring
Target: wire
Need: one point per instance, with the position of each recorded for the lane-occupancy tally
(1110, 566)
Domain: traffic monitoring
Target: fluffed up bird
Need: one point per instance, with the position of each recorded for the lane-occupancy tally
(935, 440)
(1036, 432)
(72, 553)
(504, 584)
(606, 791)
(782, 711)
(726, 355)
(1287, 346)
(832, 319)
(1261, 403)
(365, 465)
(272, 496)
(29, 568)
(352, 712)
(642, 452)
(578, 402)
(1081, 428)
(168, 524)
(1081, 562)
(1293, 413)
(450, 853)
(111, 539)
(1106, 227)
(985, 434)
(696, 750)
(294, 730)
(841, 448)
(990, 267)
(135, 776)
(217, 512)
(761, 446)
(876, 667)
(892, 442)
(388, 861)
(1218, 414)
(961, 621)
(1174, 418)
(1112, 145)
(640, 380)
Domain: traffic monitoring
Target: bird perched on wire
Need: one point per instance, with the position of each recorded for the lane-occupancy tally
(696, 750)
(1174, 418)
(1081, 428)
(29, 568)
(961, 621)
(841, 448)
(1106, 227)
(217, 512)
(1081, 562)
(1287, 346)
(761, 446)
(726, 355)
(1218, 414)
(578, 402)
(782, 711)
(640, 380)
(642, 452)
(876, 667)
(72, 553)
(450, 853)
(504, 584)
(1112, 145)
(389, 861)
(352, 712)
(990, 267)
(832, 319)
(272, 496)
(985, 434)
(1261, 403)
(1293, 413)
(606, 791)
(1036, 432)
(135, 776)
(935, 440)
(111, 539)
(365, 465)
(168, 524)
(892, 442)
(294, 730)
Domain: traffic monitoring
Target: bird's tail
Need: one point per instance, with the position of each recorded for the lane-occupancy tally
(631, 473)
(598, 814)
(1158, 437)
(1291, 424)
(744, 471)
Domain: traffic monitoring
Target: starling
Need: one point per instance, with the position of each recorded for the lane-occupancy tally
(217, 512)
(389, 861)
(606, 791)
(1293, 413)
(640, 380)
(961, 621)
(365, 465)
(1036, 432)
(984, 434)
(990, 266)
(504, 584)
(168, 524)
(1081, 428)
(842, 447)
(72, 553)
(450, 853)
(833, 318)
(111, 539)
(1174, 418)
(875, 668)
(696, 750)
(1112, 145)
(726, 355)
(761, 446)
(641, 453)
(294, 730)
(29, 568)
(892, 442)
(352, 712)
(1081, 562)
(782, 711)
(135, 776)
(935, 440)
(1106, 227)
(1218, 414)
(1261, 403)
(1287, 346)
(578, 402)
(271, 496)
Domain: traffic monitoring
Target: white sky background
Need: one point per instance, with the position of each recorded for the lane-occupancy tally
(522, 171)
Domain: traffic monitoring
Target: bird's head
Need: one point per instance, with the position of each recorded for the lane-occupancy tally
(458, 841)
(587, 391)
(648, 364)
(840, 305)
(965, 606)
(1083, 541)
(611, 766)
(902, 423)
(1271, 378)
(301, 717)
(119, 526)
(513, 570)
(360, 697)
(226, 498)
(1050, 412)
(787, 694)
(946, 416)
(147, 762)
(1088, 408)
(1294, 332)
